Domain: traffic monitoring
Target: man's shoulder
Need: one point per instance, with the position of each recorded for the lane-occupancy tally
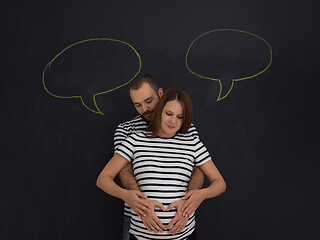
(134, 124)
(131, 121)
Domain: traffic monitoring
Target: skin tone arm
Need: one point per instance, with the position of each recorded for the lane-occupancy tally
(196, 180)
(106, 183)
(127, 178)
(192, 200)
(216, 186)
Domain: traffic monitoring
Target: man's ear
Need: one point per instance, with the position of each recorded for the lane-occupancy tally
(160, 92)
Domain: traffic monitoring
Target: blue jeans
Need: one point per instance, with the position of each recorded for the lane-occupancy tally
(126, 227)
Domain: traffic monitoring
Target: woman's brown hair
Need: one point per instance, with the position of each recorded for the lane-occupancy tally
(174, 93)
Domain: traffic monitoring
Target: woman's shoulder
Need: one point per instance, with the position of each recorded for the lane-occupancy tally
(139, 135)
(187, 137)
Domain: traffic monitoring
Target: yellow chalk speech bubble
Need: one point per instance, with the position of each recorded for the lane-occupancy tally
(233, 80)
(98, 111)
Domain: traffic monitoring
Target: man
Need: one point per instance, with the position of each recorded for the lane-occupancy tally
(145, 94)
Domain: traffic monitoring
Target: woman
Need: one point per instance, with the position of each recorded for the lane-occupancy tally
(163, 157)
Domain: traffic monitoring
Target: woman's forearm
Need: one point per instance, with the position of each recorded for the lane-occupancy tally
(215, 188)
(107, 184)
(105, 179)
(217, 184)
(195, 197)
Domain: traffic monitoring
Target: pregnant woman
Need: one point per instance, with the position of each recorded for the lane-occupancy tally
(163, 157)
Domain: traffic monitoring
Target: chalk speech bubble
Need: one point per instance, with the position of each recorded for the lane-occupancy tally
(84, 45)
(227, 54)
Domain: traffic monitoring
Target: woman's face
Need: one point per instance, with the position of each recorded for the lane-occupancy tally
(171, 119)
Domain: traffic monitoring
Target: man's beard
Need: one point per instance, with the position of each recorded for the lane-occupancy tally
(143, 115)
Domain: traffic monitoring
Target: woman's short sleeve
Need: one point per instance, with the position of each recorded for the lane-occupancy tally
(201, 153)
(126, 148)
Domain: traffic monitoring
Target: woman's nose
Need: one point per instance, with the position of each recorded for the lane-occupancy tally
(173, 119)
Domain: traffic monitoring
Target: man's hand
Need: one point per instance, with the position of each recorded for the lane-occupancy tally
(178, 223)
(194, 199)
(151, 220)
(135, 199)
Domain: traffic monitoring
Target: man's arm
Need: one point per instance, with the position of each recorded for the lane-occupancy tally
(196, 180)
(127, 178)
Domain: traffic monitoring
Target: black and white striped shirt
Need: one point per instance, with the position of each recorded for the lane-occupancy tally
(135, 125)
(163, 168)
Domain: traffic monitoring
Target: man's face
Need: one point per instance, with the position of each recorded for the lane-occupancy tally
(145, 99)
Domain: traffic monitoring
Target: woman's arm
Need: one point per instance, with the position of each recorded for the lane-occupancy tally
(216, 187)
(106, 183)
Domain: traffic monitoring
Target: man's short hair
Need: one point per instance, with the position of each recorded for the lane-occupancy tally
(137, 82)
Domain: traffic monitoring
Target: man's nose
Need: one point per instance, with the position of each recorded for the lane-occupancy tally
(144, 108)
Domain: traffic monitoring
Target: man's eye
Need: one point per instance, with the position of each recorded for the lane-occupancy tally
(148, 102)
(138, 105)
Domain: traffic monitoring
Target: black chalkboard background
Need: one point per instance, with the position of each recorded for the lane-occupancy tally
(263, 136)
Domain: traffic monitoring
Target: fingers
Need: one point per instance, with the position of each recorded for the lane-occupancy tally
(172, 205)
(175, 229)
(141, 195)
(179, 225)
(143, 211)
(139, 212)
(149, 226)
(157, 221)
(188, 211)
(187, 195)
(171, 223)
(186, 205)
(159, 205)
(153, 224)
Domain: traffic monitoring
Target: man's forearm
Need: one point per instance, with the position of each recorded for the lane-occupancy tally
(196, 180)
(127, 178)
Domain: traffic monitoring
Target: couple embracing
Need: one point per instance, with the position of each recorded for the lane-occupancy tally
(161, 163)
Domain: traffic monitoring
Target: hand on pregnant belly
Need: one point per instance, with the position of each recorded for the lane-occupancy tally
(151, 220)
(135, 200)
(178, 223)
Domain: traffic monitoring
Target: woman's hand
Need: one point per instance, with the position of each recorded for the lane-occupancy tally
(177, 224)
(135, 199)
(151, 221)
(193, 200)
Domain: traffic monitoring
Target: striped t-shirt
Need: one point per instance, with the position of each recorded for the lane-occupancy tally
(135, 125)
(163, 168)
